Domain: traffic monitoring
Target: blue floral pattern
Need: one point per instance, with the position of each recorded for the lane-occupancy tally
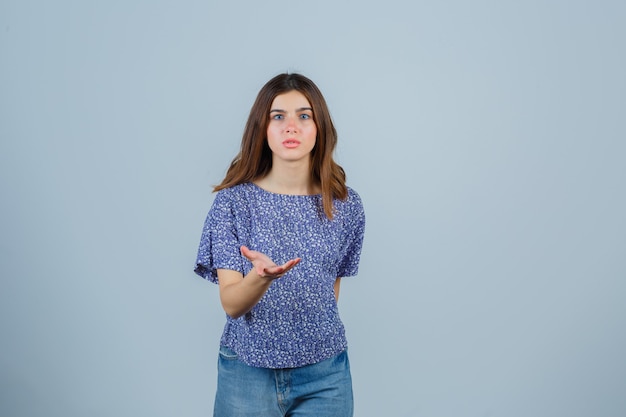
(297, 322)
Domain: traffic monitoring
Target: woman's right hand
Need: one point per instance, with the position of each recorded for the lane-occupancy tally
(264, 266)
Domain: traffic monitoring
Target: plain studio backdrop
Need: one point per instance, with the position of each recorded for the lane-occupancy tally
(486, 139)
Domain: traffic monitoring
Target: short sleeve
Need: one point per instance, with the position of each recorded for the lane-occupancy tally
(220, 240)
(355, 231)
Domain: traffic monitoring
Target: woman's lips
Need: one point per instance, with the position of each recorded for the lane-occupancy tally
(291, 143)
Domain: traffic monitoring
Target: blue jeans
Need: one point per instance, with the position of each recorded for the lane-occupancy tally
(322, 389)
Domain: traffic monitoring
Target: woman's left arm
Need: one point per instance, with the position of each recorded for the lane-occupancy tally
(336, 286)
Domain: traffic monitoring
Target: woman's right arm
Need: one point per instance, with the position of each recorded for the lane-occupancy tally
(240, 294)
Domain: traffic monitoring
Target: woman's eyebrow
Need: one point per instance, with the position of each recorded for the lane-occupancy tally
(297, 110)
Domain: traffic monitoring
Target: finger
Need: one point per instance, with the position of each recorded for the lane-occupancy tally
(291, 263)
(274, 270)
(250, 254)
(279, 271)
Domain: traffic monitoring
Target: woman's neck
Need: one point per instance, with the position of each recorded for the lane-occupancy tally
(286, 180)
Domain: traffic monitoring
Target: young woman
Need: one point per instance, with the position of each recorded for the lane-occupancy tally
(282, 231)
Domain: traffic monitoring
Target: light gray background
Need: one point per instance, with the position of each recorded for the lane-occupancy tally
(486, 139)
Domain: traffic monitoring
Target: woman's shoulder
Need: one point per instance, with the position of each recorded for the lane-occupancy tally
(353, 203)
(353, 197)
(234, 192)
(352, 193)
(232, 197)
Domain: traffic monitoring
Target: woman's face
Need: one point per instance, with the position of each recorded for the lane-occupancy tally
(291, 131)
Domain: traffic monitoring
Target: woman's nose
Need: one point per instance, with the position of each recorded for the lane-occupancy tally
(291, 127)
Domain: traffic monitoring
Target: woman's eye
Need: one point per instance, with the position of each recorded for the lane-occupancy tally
(278, 117)
(305, 116)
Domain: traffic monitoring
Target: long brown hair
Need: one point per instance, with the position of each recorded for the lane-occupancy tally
(254, 160)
